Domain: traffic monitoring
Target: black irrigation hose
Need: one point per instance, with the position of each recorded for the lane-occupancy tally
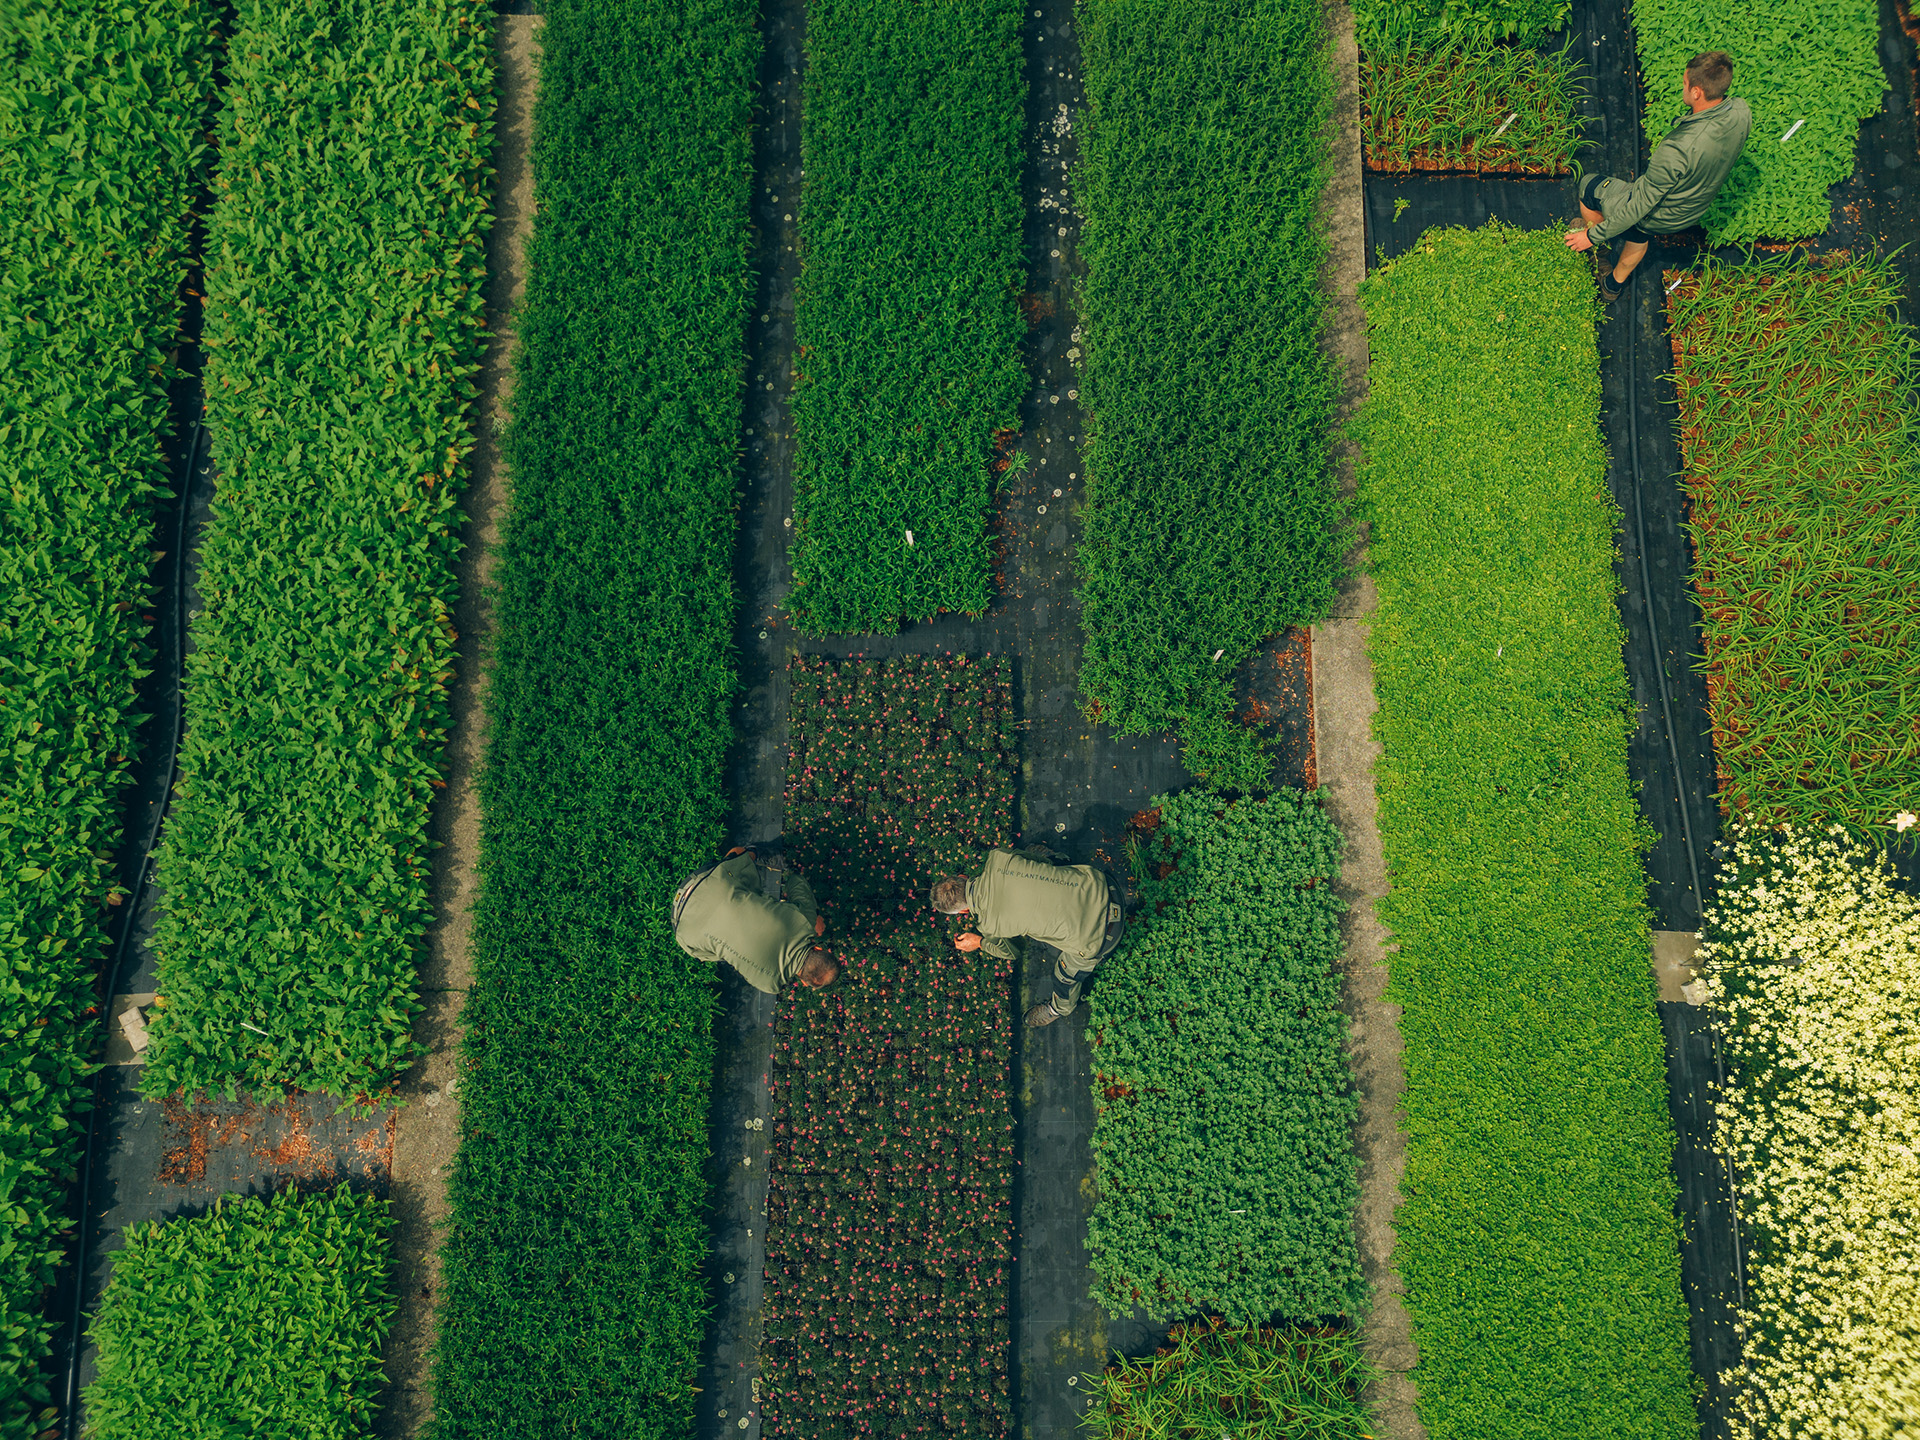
(70, 1387)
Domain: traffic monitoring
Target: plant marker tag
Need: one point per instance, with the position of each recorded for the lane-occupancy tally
(1675, 286)
(1504, 123)
(1218, 653)
(909, 537)
(255, 1028)
(1789, 135)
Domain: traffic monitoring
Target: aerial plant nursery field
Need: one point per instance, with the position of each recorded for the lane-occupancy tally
(1802, 459)
(1211, 520)
(1536, 1238)
(1811, 74)
(1223, 1143)
(343, 327)
(101, 155)
(889, 1227)
(262, 1316)
(1812, 963)
(906, 316)
(589, 1051)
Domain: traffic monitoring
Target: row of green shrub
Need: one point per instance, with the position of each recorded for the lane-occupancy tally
(264, 1316)
(103, 114)
(1537, 1237)
(1802, 456)
(572, 1300)
(1225, 1103)
(905, 313)
(345, 269)
(1211, 518)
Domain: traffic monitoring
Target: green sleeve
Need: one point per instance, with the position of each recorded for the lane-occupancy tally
(799, 894)
(1627, 205)
(999, 947)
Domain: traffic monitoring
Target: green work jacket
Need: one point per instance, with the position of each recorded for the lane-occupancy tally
(1064, 905)
(729, 917)
(1683, 175)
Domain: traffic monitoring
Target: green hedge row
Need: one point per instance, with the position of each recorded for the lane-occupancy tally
(1792, 62)
(572, 1301)
(1801, 448)
(906, 315)
(1211, 516)
(1225, 1103)
(1537, 1236)
(343, 326)
(1477, 21)
(264, 1316)
(103, 114)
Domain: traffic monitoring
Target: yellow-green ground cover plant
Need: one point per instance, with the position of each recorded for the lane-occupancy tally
(345, 268)
(906, 313)
(1802, 456)
(1250, 1382)
(572, 1301)
(1224, 1103)
(1811, 73)
(264, 1316)
(1211, 517)
(1537, 1237)
(1811, 959)
(103, 116)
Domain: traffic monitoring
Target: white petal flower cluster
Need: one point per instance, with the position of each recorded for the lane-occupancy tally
(1812, 967)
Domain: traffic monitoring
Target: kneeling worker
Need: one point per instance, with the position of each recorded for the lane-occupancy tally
(1070, 907)
(731, 912)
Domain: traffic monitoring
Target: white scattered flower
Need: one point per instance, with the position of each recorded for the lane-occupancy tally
(1905, 820)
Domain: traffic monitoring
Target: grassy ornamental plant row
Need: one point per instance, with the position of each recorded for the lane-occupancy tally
(889, 1226)
(1225, 1103)
(1470, 105)
(1537, 1237)
(1211, 520)
(103, 115)
(264, 1316)
(1802, 460)
(1811, 73)
(572, 1301)
(344, 275)
(906, 310)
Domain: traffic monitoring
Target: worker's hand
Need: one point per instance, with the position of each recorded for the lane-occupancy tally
(1578, 240)
(819, 924)
(968, 942)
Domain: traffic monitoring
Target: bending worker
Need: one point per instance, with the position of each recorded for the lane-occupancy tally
(1070, 907)
(1685, 172)
(733, 912)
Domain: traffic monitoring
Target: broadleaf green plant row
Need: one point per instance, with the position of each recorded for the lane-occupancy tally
(1224, 1101)
(1211, 516)
(1793, 63)
(1478, 21)
(572, 1301)
(1537, 1237)
(103, 117)
(264, 1316)
(906, 314)
(345, 269)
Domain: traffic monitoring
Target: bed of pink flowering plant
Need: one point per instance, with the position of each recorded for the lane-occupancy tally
(889, 1229)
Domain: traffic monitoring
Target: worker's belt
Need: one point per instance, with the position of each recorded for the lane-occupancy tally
(1116, 922)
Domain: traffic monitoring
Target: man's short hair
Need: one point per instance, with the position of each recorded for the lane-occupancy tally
(950, 894)
(1712, 71)
(818, 968)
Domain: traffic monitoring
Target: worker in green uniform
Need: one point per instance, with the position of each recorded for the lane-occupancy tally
(735, 911)
(1683, 175)
(1073, 908)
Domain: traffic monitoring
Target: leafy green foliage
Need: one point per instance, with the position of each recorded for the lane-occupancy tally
(1471, 105)
(1386, 22)
(1225, 1102)
(102, 121)
(343, 326)
(1536, 1235)
(264, 1316)
(1802, 457)
(905, 312)
(1212, 519)
(889, 1227)
(1251, 1383)
(572, 1301)
(1792, 61)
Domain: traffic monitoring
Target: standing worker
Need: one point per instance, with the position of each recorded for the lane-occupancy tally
(733, 912)
(1685, 172)
(1070, 907)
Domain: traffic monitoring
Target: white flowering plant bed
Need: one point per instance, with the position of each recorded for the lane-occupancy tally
(1811, 964)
